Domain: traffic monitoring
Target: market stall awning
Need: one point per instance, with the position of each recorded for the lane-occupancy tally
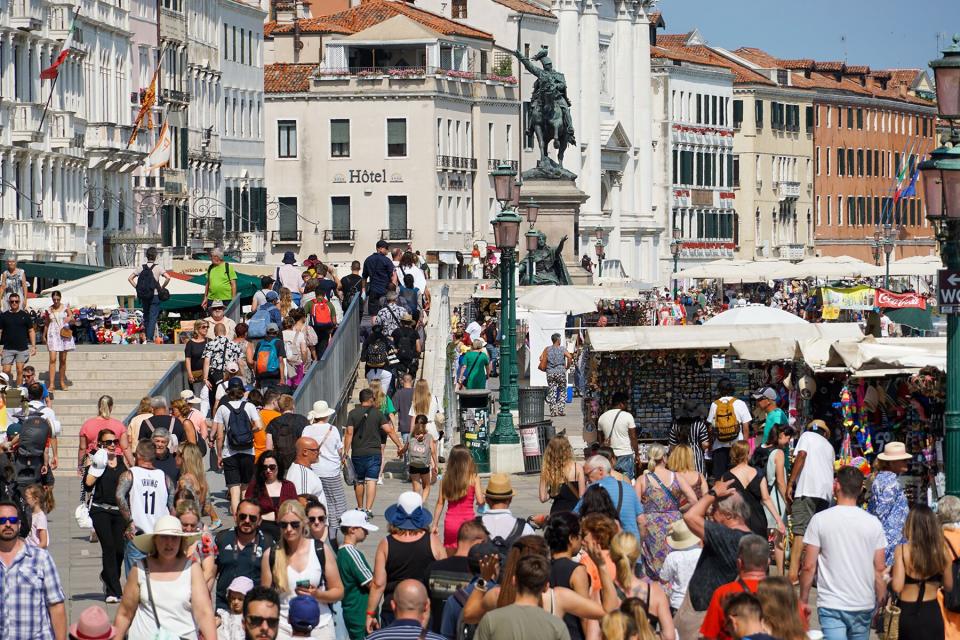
(755, 314)
(916, 266)
(733, 270)
(609, 339)
(109, 289)
(199, 267)
(62, 271)
(247, 285)
(558, 299)
(596, 292)
(823, 268)
(905, 354)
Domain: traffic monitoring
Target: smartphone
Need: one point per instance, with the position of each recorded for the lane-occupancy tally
(303, 584)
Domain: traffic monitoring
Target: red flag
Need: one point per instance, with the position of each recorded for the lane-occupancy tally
(51, 72)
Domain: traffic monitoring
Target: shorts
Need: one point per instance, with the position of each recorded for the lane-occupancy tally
(238, 469)
(366, 467)
(804, 508)
(416, 471)
(10, 356)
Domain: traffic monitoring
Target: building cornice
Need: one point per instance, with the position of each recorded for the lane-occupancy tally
(793, 93)
(843, 99)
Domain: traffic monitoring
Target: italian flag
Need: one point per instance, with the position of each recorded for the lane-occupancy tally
(50, 73)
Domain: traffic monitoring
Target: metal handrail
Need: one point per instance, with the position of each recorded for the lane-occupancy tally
(333, 376)
(234, 310)
(169, 386)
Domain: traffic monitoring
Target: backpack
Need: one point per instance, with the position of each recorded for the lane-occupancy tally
(504, 545)
(320, 313)
(239, 431)
(760, 457)
(725, 420)
(409, 299)
(284, 441)
(418, 453)
(465, 631)
(257, 325)
(267, 358)
(951, 599)
(321, 556)
(146, 283)
(378, 353)
(407, 344)
(34, 433)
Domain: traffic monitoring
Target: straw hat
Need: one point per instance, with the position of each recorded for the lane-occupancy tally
(894, 451)
(681, 537)
(499, 487)
(320, 410)
(93, 624)
(188, 396)
(165, 526)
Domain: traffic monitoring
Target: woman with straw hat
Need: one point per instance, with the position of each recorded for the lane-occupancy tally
(166, 590)
(329, 463)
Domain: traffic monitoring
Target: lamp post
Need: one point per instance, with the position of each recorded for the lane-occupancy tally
(877, 247)
(889, 239)
(531, 236)
(941, 187)
(506, 231)
(675, 246)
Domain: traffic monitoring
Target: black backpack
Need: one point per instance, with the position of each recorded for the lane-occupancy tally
(465, 631)
(504, 545)
(760, 457)
(239, 431)
(146, 283)
(951, 599)
(34, 433)
(378, 352)
(284, 441)
(407, 344)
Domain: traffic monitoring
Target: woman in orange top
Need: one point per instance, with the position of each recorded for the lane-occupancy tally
(267, 406)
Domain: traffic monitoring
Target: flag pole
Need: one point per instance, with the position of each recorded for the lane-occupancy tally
(53, 84)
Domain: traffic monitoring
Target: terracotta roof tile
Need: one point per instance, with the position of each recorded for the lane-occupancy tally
(307, 25)
(530, 8)
(374, 12)
(681, 55)
(741, 74)
(802, 64)
(287, 78)
(858, 69)
(672, 39)
(882, 73)
(833, 65)
(656, 19)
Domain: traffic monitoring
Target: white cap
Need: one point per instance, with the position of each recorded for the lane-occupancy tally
(356, 518)
(98, 464)
(188, 396)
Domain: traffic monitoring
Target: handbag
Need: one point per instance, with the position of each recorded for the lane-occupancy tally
(349, 475)
(66, 332)
(163, 294)
(82, 514)
(543, 361)
(891, 621)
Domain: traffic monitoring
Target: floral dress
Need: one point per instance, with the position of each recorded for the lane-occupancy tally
(889, 503)
(661, 506)
(58, 320)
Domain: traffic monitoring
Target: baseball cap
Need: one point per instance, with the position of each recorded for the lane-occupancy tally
(272, 296)
(235, 383)
(266, 281)
(216, 304)
(273, 328)
(240, 584)
(304, 612)
(356, 518)
(765, 392)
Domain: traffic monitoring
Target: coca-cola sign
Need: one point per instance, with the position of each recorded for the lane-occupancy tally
(890, 300)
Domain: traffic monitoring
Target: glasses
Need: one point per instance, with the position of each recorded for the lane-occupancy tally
(247, 517)
(107, 443)
(257, 621)
(286, 524)
(317, 519)
(9, 520)
(270, 467)
(13, 302)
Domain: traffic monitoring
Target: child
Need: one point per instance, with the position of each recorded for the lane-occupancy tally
(303, 615)
(231, 622)
(355, 572)
(422, 456)
(37, 500)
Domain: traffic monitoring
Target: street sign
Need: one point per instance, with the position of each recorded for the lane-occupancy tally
(948, 291)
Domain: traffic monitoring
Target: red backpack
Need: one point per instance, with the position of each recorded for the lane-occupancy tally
(321, 314)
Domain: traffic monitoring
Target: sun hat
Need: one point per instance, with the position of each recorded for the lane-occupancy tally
(408, 513)
(189, 397)
(216, 304)
(680, 537)
(289, 258)
(93, 624)
(499, 486)
(818, 425)
(304, 613)
(165, 526)
(320, 410)
(241, 585)
(356, 518)
(894, 451)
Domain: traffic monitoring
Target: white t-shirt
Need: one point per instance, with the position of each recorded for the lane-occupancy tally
(148, 497)
(615, 425)
(260, 297)
(431, 417)
(816, 477)
(223, 419)
(500, 522)
(740, 409)
(474, 330)
(290, 277)
(848, 538)
(419, 278)
(328, 465)
(306, 481)
(292, 342)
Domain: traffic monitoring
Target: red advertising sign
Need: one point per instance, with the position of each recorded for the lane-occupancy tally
(890, 300)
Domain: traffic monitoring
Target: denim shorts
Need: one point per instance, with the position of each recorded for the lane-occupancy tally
(845, 625)
(366, 467)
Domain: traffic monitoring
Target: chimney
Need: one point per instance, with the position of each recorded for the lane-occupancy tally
(869, 82)
(903, 89)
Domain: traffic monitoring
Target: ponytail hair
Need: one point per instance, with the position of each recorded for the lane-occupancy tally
(105, 407)
(655, 455)
(624, 551)
(44, 499)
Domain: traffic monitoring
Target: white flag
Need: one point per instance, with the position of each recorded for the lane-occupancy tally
(160, 156)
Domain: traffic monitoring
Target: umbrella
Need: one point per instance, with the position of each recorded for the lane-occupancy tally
(733, 270)
(844, 267)
(916, 266)
(565, 299)
(755, 314)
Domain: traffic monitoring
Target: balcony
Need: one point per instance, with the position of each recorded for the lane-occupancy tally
(787, 189)
(396, 235)
(351, 81)
(25, 15)
(204, 145)
(456, 163)
(494, 163)
(331, 236)
(66, 130)
(791, 251)
(292, 236)
(26, 122)
(106, 14)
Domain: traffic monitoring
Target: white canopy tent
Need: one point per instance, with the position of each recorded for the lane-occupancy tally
(844, 267)
(755, 314)
(558, 299)
(733, 270)
(109, 289)
(916, 266)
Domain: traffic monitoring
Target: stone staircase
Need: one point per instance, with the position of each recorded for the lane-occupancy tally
(125, 372)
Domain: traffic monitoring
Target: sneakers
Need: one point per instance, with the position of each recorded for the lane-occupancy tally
(112, 599)
(380, 481)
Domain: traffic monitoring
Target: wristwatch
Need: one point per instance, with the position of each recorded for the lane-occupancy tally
(481, 585)
(713, 493)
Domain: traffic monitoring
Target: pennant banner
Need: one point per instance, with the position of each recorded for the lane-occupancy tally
(858, 298)
(890, 300)
(160, 156)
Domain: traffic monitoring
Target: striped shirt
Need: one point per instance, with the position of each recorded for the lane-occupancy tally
(404, 629)
(28, 587)
(695, 436)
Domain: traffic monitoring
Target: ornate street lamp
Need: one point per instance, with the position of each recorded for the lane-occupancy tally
(889, 240)
(532, 238)
(877, 247)
(506, 232)
(675, 246)
(941, 187)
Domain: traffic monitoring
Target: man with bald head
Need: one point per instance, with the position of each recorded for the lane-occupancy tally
(300, 472)
(411, 608)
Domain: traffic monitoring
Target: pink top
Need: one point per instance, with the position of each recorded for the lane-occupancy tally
(91, 430)
(462, 509)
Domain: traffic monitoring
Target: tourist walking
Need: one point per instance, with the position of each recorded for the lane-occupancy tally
(18, 336)
(887, 499)
(58, 336)
(810, 487)
(234, 423)
(329, 465)
(922, 565)
(616, 428)
(562, 534)
(459, 490)
(288, 275)
(681, 461)
(561, 478)
(355, 572)
(361, 443)
(474, 367)
(269, 491)
(660, 491)
(625, 552)
(729, 419)
(193, 352)
(166, 590)
(90, 433)
(193, 479)
(751, 484)
(378, 273)
(13, 281)
(681, 562)
(300, 473)
(776, 480)
(843, 549)
(689, 428)
(221, 285)
(240, 550)
(554, 361)
(624, 502)
(146, 282)
(101, 479)
(144, 495)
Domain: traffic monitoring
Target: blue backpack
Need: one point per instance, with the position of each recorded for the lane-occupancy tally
(267, 359)
(257, 325)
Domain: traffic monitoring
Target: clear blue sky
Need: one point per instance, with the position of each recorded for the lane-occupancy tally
(879, 33)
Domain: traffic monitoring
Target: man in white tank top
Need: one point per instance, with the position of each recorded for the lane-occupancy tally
(144, 494)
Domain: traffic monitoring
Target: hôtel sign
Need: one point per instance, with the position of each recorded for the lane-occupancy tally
(363, 176)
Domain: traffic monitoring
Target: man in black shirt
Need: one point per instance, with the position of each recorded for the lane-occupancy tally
(378, 274)
(361, 443)
(445, 576)
(240, 550)
(286, 429)
(165, 460)
(351, 285)
(18, 336)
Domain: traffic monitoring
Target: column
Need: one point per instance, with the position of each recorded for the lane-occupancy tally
(566, 59)
(624, 93)
(6, 173)
(644, 115)
(589, 130)
(616, 248)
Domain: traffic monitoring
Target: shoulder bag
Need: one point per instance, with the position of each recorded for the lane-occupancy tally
(161, 633)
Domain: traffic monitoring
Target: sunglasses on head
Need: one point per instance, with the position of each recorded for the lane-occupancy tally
(247, 517)
(256, 621)
(285, 524)
(9, 520)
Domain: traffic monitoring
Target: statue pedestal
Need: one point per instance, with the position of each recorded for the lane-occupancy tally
(559, 216)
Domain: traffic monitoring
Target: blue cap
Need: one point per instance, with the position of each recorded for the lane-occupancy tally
(272, 296)
(304, 613)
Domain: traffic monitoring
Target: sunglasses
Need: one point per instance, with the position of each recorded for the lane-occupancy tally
(247, 517)
(13, 302)
(107, 443)
(270, 467)
(289, 525)
(317, 519)
(9, 520)
(257, 621)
